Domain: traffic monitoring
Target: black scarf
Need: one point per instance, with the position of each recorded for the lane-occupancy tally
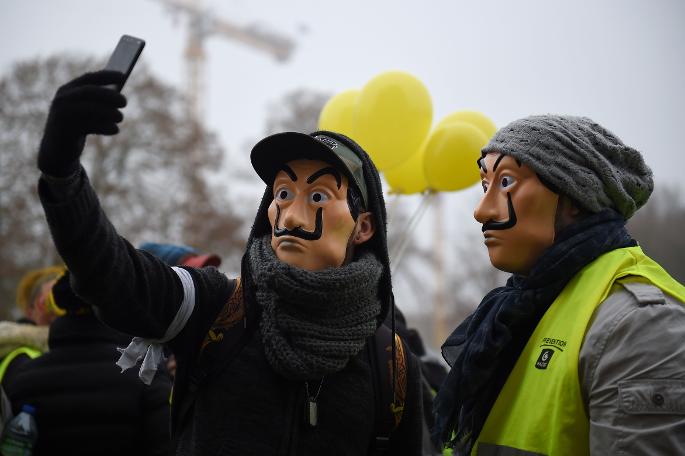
(485, 346)
(314, 321)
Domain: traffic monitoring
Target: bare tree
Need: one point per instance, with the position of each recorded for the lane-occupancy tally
(658, 228)
(153, 179)
(297, 111)
(476, 277)
(406, 262)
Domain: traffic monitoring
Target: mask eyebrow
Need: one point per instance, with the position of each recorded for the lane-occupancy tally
(330, 170)
(499, 159)
(481, 164)
(288, 170)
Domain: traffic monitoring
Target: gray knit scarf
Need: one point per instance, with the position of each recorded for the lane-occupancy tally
(314, 321)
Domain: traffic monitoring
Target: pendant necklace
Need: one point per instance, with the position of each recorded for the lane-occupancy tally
(311, 411)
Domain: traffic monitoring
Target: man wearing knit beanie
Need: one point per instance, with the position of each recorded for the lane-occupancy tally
(290, 358)
(581, 351)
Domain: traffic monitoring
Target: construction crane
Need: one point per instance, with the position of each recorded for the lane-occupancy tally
(203, 23)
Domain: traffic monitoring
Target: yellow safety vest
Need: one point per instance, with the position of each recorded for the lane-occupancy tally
(540, 408)
(28, 351)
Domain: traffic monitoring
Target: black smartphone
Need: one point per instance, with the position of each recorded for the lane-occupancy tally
(125, 56)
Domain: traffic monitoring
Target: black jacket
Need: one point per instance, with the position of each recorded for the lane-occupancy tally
(266, 413)
(84, 405)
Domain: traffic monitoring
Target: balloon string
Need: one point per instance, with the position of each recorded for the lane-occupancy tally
(393, 200)
(401, 245)
(413, 220)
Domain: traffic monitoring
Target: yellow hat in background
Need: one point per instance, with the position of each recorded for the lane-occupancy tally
(30, 285)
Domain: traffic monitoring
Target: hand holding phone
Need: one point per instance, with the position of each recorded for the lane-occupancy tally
(81, 107)
(124, 57)
(89, 104)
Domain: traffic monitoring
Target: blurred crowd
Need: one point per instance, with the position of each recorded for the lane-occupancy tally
(59, 358)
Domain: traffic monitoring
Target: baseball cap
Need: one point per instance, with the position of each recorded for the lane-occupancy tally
(273, 151)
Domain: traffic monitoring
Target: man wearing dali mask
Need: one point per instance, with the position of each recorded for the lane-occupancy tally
(581, 352)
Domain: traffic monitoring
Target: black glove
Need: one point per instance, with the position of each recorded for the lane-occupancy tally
(64, 296)
(80, 107)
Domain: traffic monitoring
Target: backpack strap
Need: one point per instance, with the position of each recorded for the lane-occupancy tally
(227, 336)
(389, 402)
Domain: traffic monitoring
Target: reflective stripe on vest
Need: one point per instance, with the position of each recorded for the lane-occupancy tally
(540, 409)
(28, 351)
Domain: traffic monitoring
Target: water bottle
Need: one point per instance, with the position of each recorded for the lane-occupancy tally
(20, 434)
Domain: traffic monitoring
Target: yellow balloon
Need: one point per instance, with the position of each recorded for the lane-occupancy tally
(392, 118)
(407, 177)
(450, 156)
(336, 115)
(475, 118)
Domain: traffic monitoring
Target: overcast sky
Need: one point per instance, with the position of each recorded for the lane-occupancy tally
(621, 62)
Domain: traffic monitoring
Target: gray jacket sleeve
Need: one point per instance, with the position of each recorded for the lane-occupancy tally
(632, 373)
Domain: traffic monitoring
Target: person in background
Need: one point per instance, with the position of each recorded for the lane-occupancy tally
(84, 404)
(581, 352)
(181, 255)
(33, 292)
(27, 338)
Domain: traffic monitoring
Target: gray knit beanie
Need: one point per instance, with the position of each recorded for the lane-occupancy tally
(579, 158)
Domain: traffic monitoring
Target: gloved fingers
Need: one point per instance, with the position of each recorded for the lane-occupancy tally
(90, 93)
(81, 114)
(103, 124)
(98, 78)
(80, 107)
(85, 118)
(103, 128)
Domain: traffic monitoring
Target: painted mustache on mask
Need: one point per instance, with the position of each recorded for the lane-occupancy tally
(507, 223)
(299, 232)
